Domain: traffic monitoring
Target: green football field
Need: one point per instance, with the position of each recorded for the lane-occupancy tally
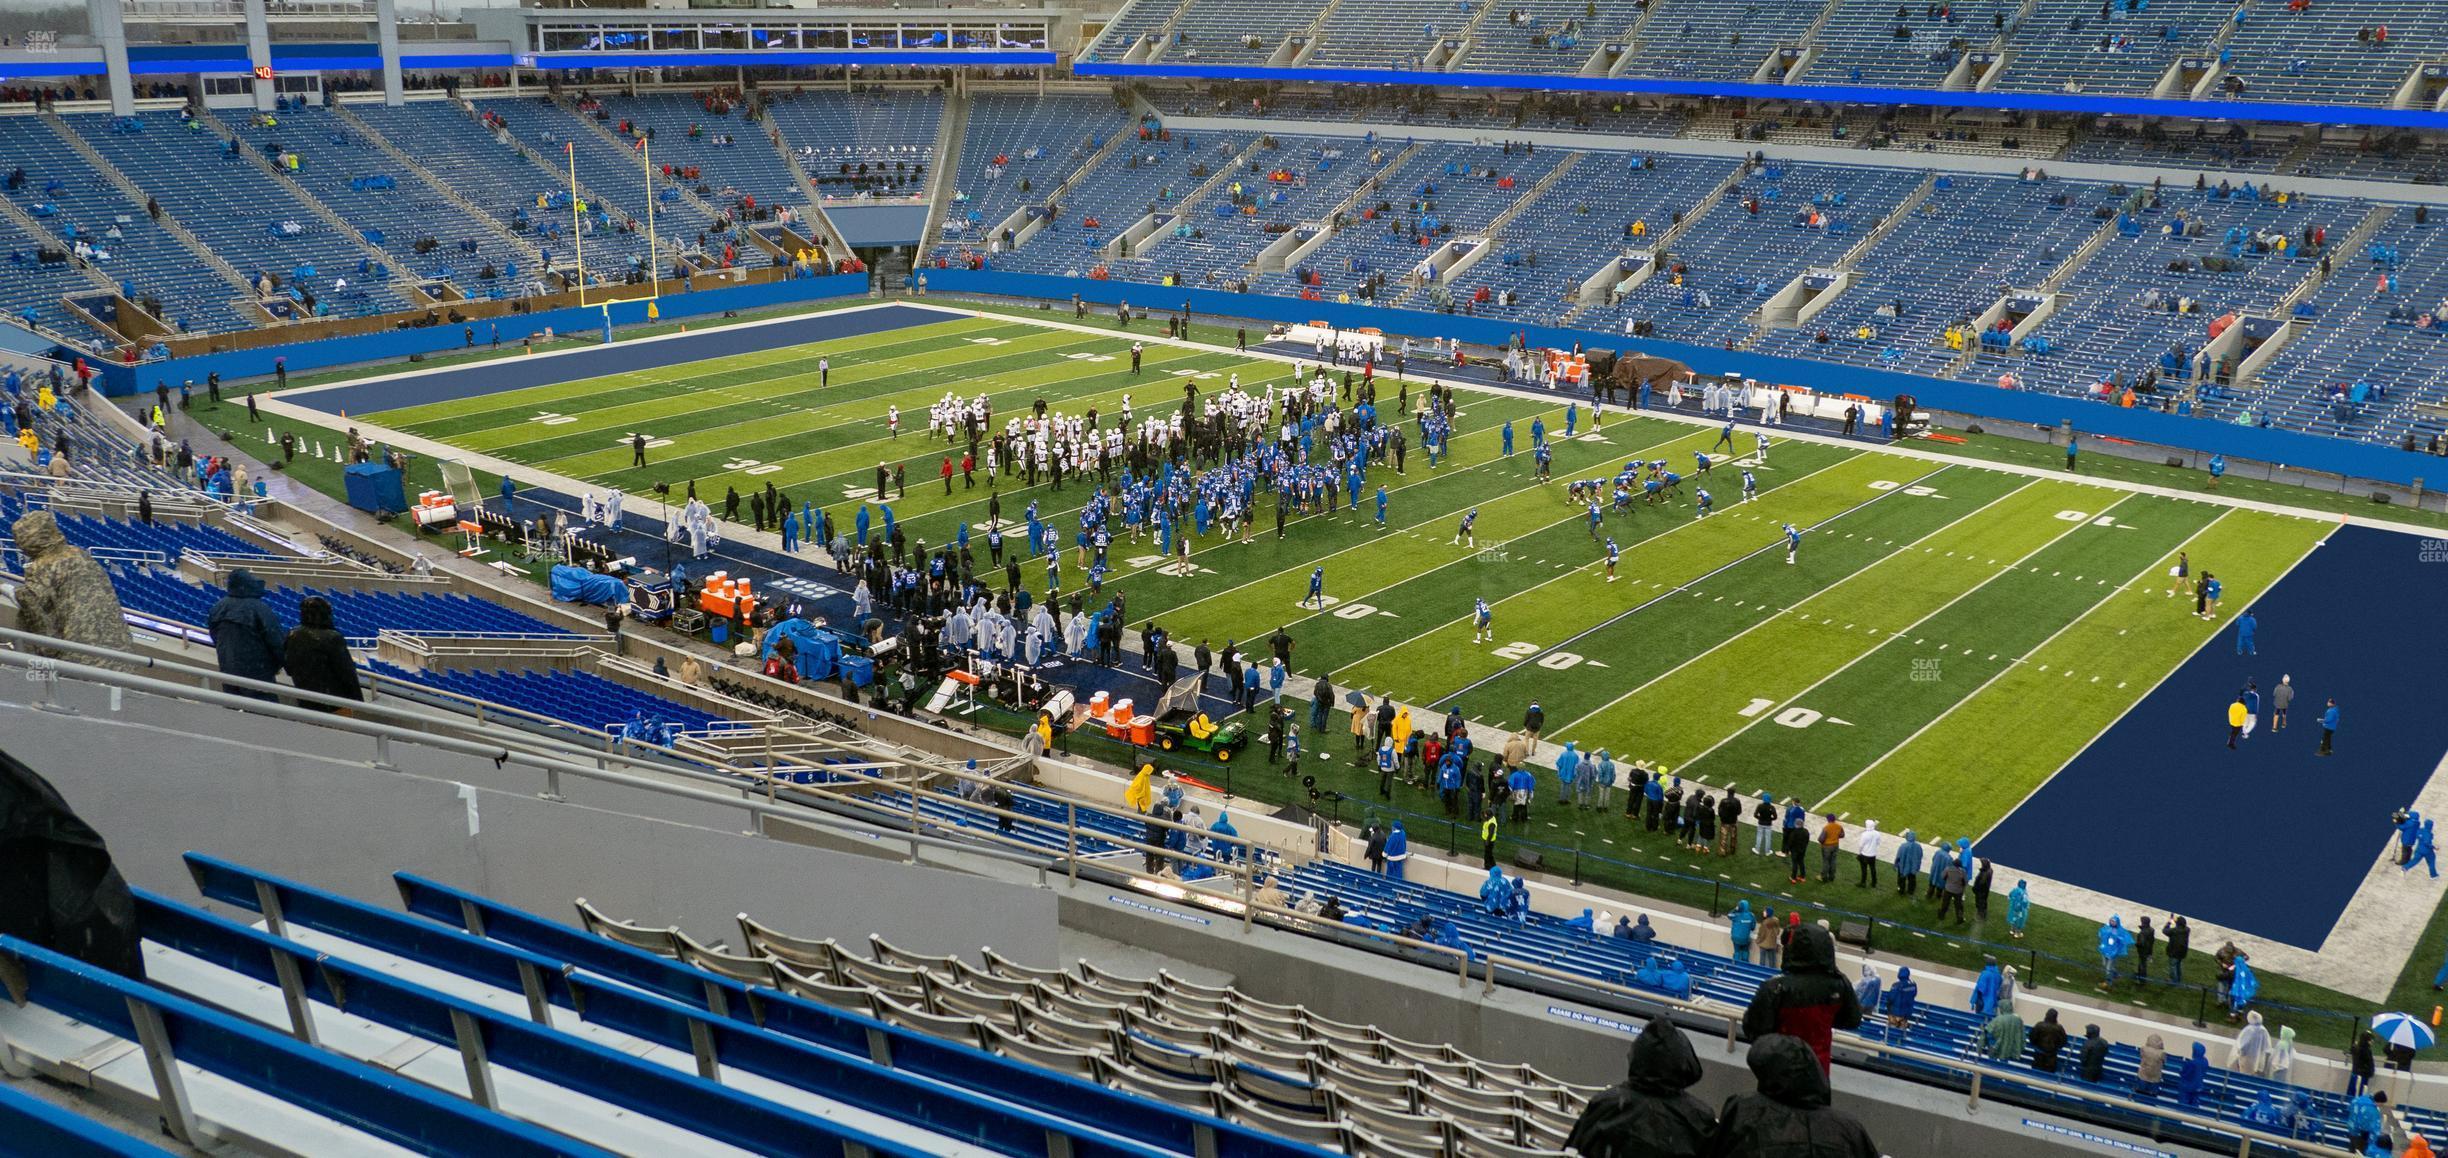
(1935, 610)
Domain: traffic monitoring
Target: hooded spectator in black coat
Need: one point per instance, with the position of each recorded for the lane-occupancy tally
(1789, 1115)
(1652, 1114)
(1810, 1000)
(2048, 1040)
(317, 656)
(2094, 1065)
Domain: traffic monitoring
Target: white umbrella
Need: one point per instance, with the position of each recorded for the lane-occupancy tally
(2403, 1029)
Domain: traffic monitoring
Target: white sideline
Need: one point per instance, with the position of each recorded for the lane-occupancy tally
(2323, 968)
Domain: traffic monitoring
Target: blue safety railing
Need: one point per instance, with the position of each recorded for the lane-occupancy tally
(347, 1092)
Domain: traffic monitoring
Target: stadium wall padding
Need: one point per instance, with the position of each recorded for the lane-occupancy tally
(398, 345)
(2283, 447)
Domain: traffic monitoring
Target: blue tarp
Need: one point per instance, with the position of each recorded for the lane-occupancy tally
(818, 652)
(579, 585)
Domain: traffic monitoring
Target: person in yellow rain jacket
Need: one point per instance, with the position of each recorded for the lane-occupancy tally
(2235, 721)
(1141, 795)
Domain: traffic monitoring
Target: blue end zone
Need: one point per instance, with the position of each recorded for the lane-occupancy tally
(496, 376)
(2271, 839)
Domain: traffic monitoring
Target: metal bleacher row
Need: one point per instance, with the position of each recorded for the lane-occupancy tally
(583, 698)
(1216, 1051)
(241, 212)
(340, 1027)
(360, 615)
(1384, 904)
(1388, 904)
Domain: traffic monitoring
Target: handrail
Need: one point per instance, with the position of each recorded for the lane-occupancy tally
(372, 707)
(490, 1040)
(1426, 823)
(1241, 871)
(43, 1128)
(172, 1029)
(43, 671)
(602, 967)
(1974, 1073)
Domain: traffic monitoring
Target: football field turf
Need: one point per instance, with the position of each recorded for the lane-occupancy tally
(1949, 636)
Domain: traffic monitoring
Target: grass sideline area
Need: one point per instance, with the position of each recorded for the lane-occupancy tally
(1900, 554)
(1623, 856)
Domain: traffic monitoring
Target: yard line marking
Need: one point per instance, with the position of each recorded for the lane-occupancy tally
(876, 417)
(2001, 672)
(1796, 698)
(1729, 641)
(1321, 560)
(916, 361)
(1765, 549)
(2164, 677)
(1355, 664)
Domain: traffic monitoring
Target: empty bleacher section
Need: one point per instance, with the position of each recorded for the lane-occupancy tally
(74, 202)
(1245, 33)
(1285, 183)
(1138, 20)
(2069, 46)
(615, 179)
(1970, 241)
(595, 1039)
(1018, 148)
(2231, 148)
(1280, 1068)
(1545, 36)
(2355, 53)
(481, 164)
(1140, 177)
(734, 157)
(1387, 33)
(397, 211)
(1779, 221)
(128, 539)
(2367, 358)
(1561, 239)
(2143, 306)
(583, 698)
(275, 239)
(1285, 1068)
(41, 274)
(874, 142)
(1712, 40)
(2401, 157)
(1876, 42)
(1559, 111)
(360, 615)
(1445, 193)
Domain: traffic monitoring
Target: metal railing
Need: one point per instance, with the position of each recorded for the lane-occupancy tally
(599, 753)
(1239, 899)
(1576, 861)
(660, 778)
(1236, 875)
